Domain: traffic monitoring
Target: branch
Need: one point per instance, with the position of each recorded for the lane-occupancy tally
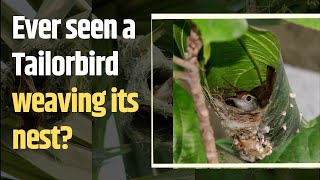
(192, 79)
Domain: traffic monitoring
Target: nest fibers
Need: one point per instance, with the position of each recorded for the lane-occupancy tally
(48, 84)
(247, 129)
(135, 64)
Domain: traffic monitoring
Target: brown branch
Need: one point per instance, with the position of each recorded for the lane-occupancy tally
(180, 75)
(192, 78)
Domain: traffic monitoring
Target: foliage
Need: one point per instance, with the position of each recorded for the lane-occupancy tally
(238, 63)
(188, 149)
(303, 147)
(309, 23)
(243, 62)
(313, 122)
(220, 30)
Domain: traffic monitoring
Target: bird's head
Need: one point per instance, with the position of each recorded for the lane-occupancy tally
(244, 101)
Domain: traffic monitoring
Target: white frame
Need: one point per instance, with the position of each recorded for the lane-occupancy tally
(224, 165)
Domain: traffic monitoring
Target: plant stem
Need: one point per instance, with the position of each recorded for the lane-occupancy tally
(192, 77)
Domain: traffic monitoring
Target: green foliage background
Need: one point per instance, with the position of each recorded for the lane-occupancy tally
(238, 57)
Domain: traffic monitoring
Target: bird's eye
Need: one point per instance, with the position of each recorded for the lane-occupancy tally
(248, 98)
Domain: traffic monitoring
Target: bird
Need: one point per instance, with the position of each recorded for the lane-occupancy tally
(258, 97)
(264, 91)
(244, 101)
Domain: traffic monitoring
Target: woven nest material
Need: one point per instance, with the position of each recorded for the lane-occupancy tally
(50, 83)
(135, 62)
(245, 128)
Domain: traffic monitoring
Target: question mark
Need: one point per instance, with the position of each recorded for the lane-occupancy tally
(66, 137)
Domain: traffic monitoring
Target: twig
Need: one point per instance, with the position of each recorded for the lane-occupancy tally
(192, 78)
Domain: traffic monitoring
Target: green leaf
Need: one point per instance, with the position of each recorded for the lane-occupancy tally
(241, 65)
(313, 23)
(243, 62)
(206, 53)
(313, 122)
(72, 162)
(303, 147)
(224, 30)
(227, 153)
(227, 145)
(282, 114)
(103, 156)
(19, 167)
(181, 30)
(227, 157)
(220, 30)
(187, 141)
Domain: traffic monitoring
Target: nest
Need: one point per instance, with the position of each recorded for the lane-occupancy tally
(43, 83)
(134, 59)
(245, 128)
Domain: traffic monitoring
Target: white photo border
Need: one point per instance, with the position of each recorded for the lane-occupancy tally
(158, 16)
